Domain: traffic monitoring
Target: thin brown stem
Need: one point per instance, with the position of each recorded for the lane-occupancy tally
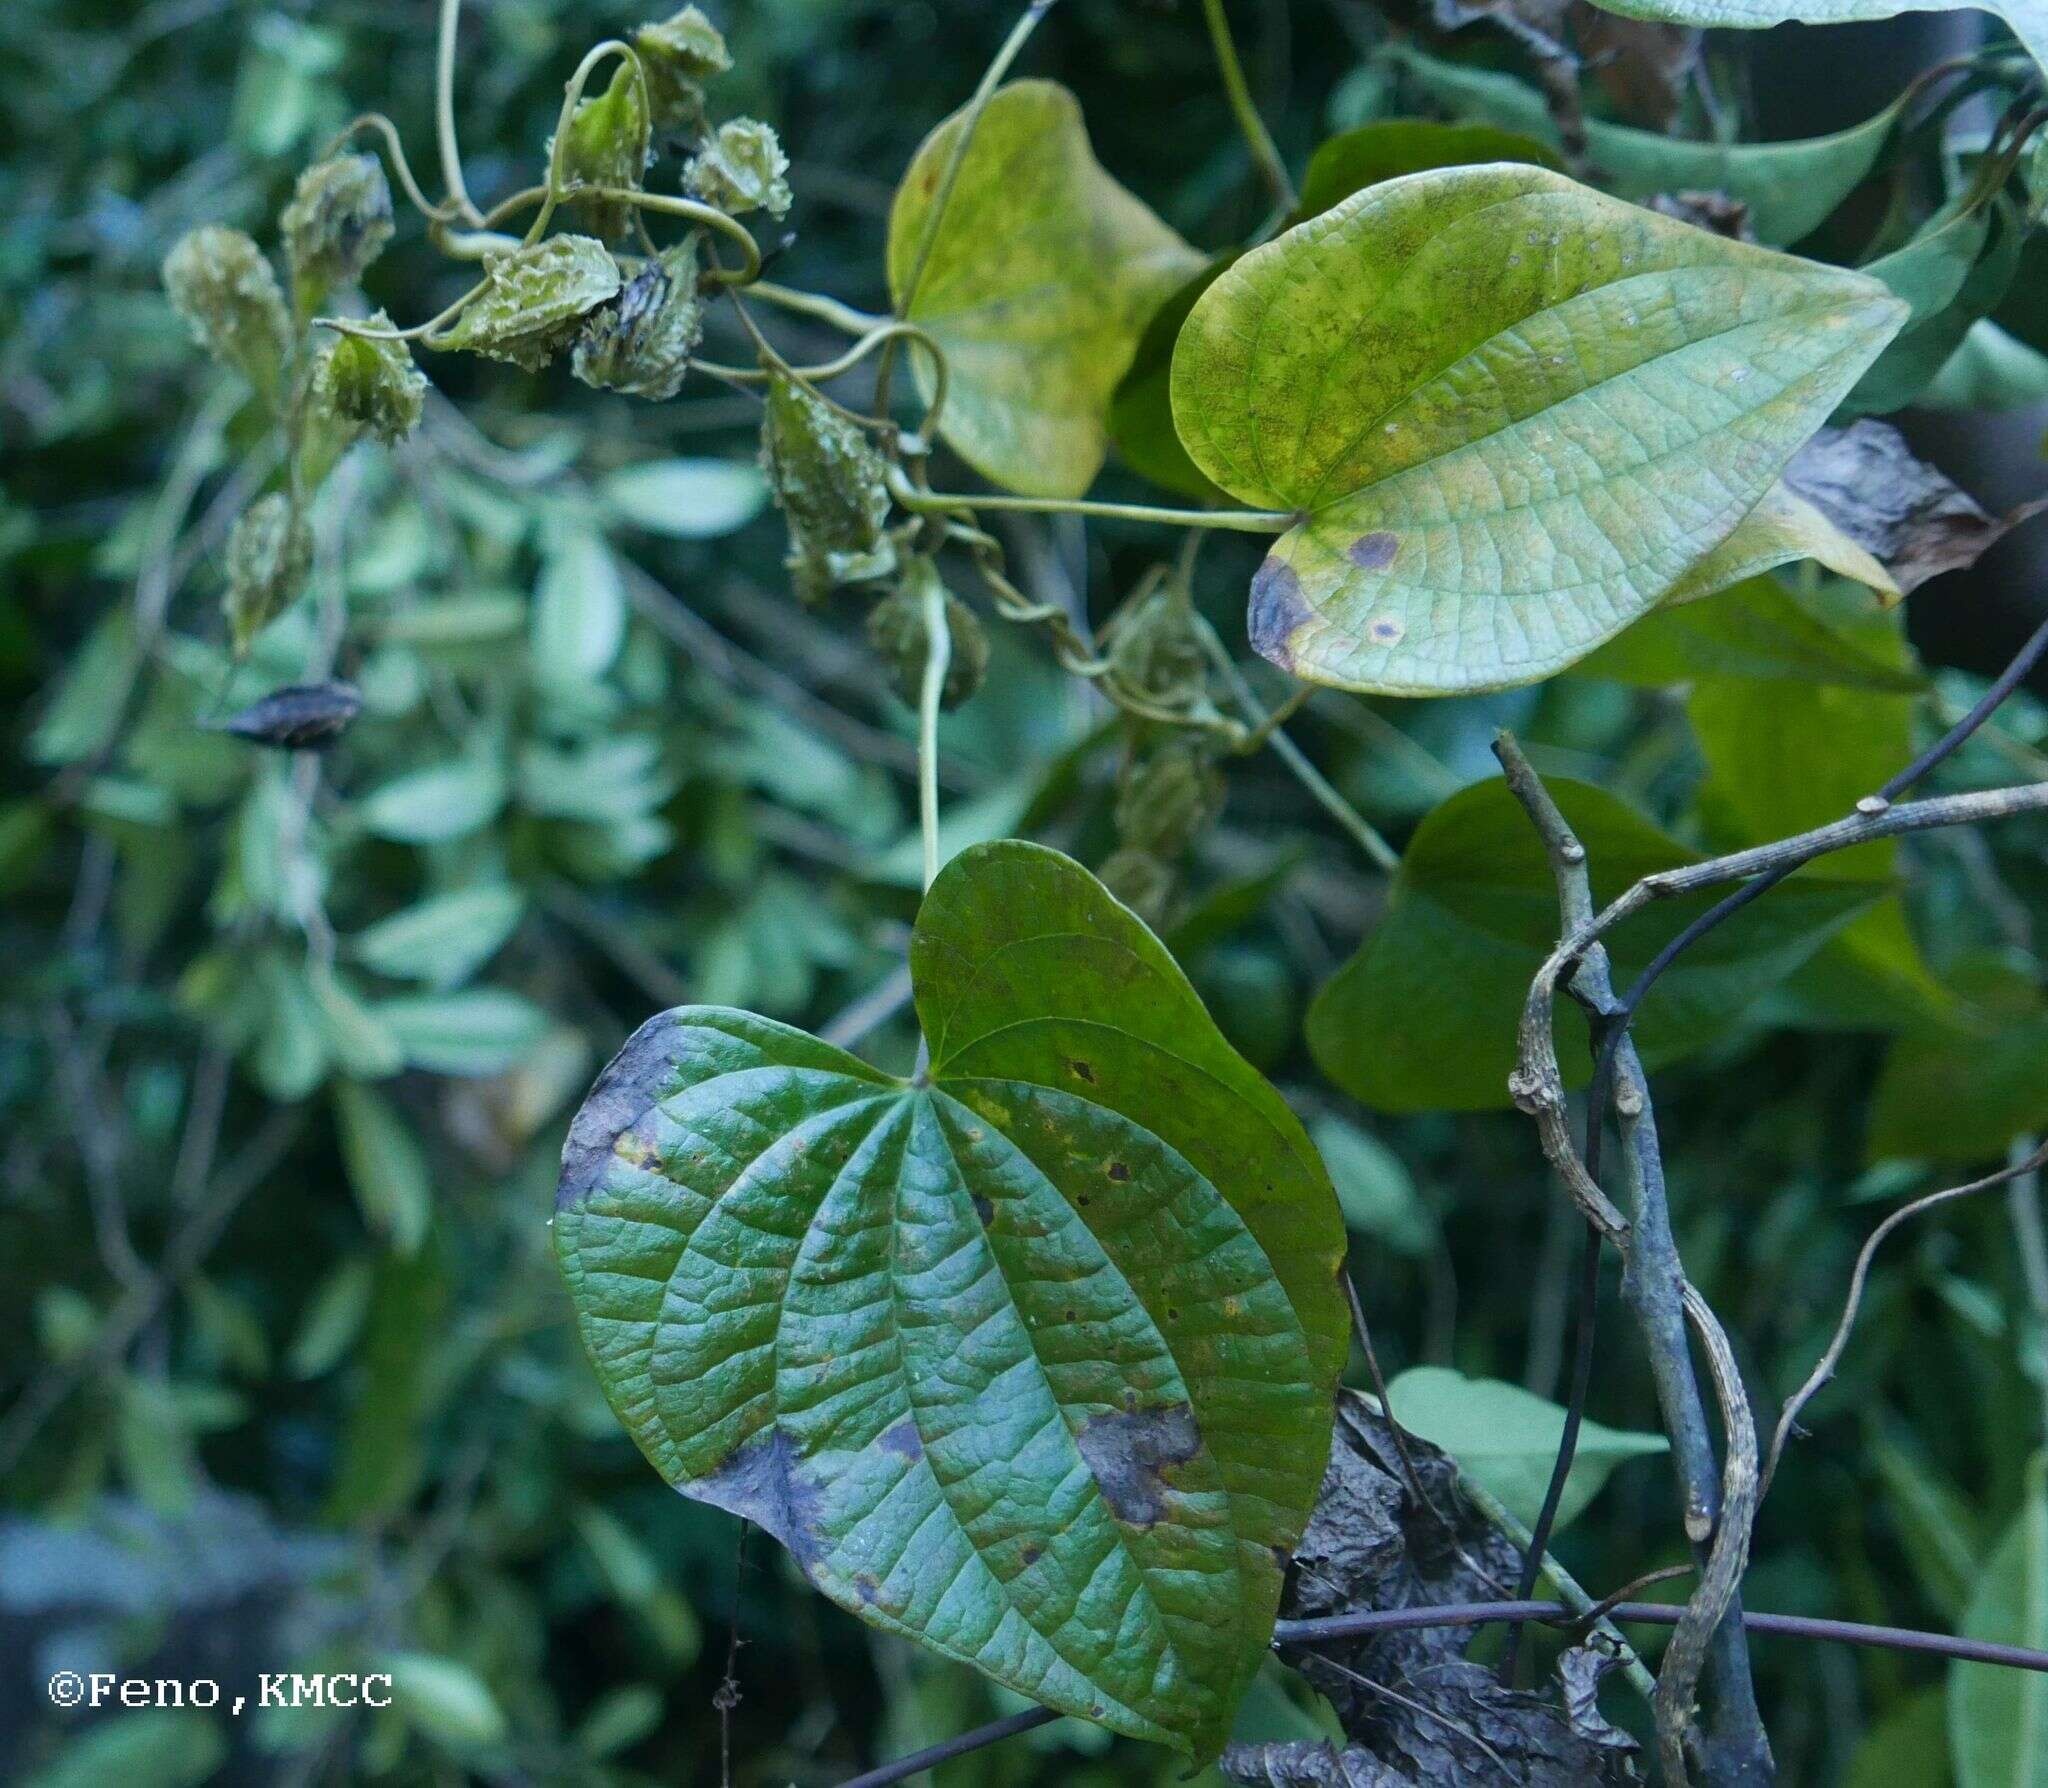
(1831, 1357)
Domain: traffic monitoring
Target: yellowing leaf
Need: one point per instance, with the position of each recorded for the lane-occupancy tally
(1512, 413)
(1782, 528)
(1035, 278)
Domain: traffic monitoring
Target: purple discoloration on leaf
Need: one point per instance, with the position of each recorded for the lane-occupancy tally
(1277, 609)
(1129, 1453)
(901, 1438)
(631, 1085)
(759, 1482)
(1373, 552)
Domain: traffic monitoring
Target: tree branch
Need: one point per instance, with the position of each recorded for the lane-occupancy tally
(1461, 1614)
(1654, 1288)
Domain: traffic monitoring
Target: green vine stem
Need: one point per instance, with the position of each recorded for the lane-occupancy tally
(938, 659)
(444, 114)
(831, 369)
(817, 304)
(1012, 46)
(1240, 521)
(1265, 152)
(572, 96)
(1378, 851)
(394, 150)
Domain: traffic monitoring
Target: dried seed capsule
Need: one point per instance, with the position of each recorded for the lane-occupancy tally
(642, 344)
(300, 717)
(1168, 799)
(1155, 649)
(219, 282)
(358, 387)
(896, 631)
(815, 574)
(677, 55)
(609, 143)
(269, 553)
(825, 474)
(337, 223)
(534, 300)
(1141, 881)
(371, 386)
(741, 169)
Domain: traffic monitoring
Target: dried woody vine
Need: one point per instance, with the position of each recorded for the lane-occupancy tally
(1031, 1356)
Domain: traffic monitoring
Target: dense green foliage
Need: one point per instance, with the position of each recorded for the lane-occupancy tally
(394, 724)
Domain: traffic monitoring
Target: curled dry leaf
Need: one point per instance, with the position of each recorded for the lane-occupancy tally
(1872, 487)
(1415, 1709)
(300, 717)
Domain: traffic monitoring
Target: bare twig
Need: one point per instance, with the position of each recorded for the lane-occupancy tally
(1654, 1287)
(1858, 1276)
(933, 1755)
(1462, 1614)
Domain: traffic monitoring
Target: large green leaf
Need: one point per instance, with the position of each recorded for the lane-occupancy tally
(1790, 188)
(1953, 274)
(1505, 1439)
(1964, 1093)
(1998, 1719)
(1423, 1017)
(1029, 1358)
(1511, 411)
(2028, 18)
(1035, 280)
(1141, 416)
(1990, 371)
(1908, 1745)
(1846, 742)
(1390, 147)
(1758, 629)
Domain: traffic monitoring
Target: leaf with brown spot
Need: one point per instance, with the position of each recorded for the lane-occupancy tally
(1513, 413)
(1064, 1306)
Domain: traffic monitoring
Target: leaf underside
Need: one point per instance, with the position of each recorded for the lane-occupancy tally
(2028, 18)
(1511, 412)
(1031, 1361)
(1040, 276)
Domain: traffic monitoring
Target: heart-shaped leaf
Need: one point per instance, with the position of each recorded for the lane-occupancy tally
(1511, 411)
(1029, 1358)
(1141, 416)
(1423, 1016)
(1035, 279)
(1758, 629)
